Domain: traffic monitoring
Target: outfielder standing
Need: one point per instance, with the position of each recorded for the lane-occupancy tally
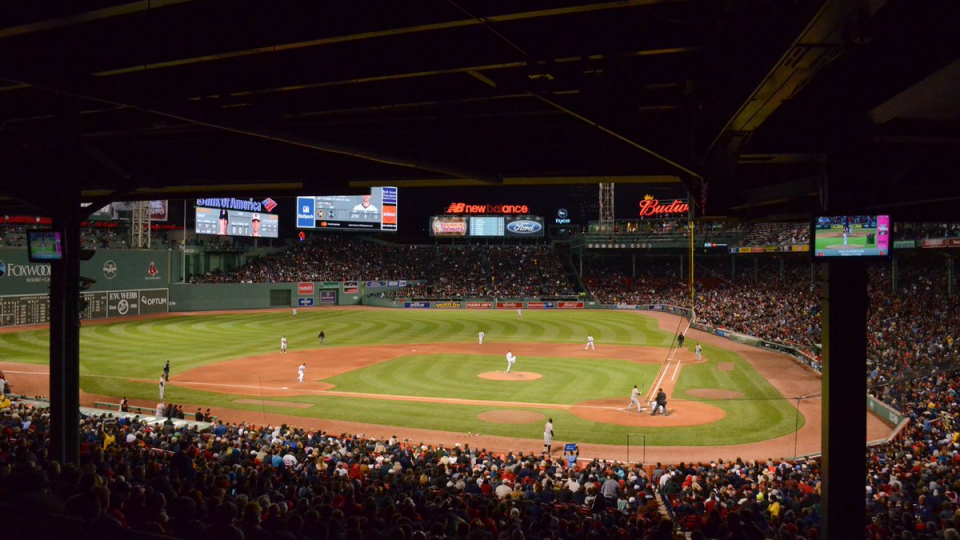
(547, 435)
(589, 344)
(519, 313)
(480, 337)
(283, 344)
(302, 369)
(635, 399)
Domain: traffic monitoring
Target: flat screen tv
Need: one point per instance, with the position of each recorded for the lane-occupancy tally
(866, 236)
(44, 246)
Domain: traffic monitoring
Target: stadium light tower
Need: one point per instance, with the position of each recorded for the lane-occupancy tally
(140, 225)
(606, 207)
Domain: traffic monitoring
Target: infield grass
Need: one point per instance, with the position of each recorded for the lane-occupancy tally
(114, 353)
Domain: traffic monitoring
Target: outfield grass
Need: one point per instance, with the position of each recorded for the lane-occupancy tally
(111, 354)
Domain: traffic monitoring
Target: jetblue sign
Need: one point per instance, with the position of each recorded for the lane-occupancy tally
(306, 212)
(524, 226)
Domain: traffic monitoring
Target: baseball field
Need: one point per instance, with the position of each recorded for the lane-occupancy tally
(833, 239)
(423, 374)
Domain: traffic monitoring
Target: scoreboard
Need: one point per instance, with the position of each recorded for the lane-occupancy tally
(35, 308)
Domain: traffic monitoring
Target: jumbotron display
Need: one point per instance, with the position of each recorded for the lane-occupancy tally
(374, 212)
(223, 222)
(851, 236)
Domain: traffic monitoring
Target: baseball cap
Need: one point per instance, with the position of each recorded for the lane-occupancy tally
(256, 217)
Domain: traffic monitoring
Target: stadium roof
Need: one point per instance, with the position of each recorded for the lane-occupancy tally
(754, 100)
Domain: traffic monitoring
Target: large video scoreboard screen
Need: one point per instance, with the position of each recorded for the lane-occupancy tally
(487, 226)
(374, 212)
(237, 223)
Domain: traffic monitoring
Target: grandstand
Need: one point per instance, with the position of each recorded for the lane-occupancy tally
(221, 336)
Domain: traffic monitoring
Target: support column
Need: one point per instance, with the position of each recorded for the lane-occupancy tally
(65, 338)
(733, 268)
(634, 258)
(844, 316)
(781, 267)
(756, 268)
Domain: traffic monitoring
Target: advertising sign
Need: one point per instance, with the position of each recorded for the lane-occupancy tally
(651, 207)
(539, 305)
(305, 302)
(502, 209)
(478, 305)
(509, 305)
(569, 305)
(935, 243)
(351, 287)
(448, 226)
(328, 298)
(111, 212)
(448, 305)
(416, 305)
(305, 288)
(954, 242)
(524, 226)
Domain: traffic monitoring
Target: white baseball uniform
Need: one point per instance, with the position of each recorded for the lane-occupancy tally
(699, 349)
(519, 314)
(163, 387)
(510, 361)
(294, 312)
(302, 369)
(283, 345)
(635, 399)
(590, 344)
(480, 337)
(547, 434)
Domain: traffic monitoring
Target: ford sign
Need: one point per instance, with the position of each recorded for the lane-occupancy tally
(524, 227)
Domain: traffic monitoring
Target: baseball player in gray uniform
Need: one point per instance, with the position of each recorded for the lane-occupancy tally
(635, 399)
(547, 435)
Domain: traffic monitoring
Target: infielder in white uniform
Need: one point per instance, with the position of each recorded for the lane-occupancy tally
(519, 313)
(547, 435)
(480, 337)
(589, 344)
(163, 386)
(283, 344)
(635, 399)
(510, 360)
(698, 350)
(302, 369)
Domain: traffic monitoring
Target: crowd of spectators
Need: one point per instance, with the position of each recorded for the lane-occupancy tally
(776, 234)
(449, 271)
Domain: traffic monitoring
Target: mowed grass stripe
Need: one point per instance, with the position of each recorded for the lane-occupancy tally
(565, 380)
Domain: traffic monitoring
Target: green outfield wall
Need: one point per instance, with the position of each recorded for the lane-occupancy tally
(114, 269)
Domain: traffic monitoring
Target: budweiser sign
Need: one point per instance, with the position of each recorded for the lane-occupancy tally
(650, 207)
(464, 208)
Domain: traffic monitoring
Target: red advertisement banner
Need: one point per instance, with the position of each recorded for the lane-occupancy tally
(305, 288)
(509, 305)
(479, 305)
(935, 243)
(954, 242)
(569, 305)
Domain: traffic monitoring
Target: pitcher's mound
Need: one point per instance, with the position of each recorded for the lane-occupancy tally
(512, 376)
(510, 417)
